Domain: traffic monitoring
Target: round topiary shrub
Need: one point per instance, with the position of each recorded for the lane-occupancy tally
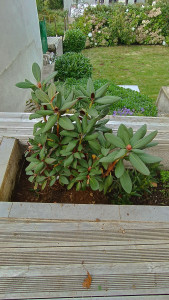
(74, 41)
(72, 65)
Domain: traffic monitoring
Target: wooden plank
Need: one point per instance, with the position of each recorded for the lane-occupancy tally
(10, 154)
(47, 258)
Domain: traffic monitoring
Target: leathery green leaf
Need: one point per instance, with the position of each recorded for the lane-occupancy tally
(145, 140)
(108, 183)
(119, 169)
(42, 96)
(115, 140)
(139, 134)
(50, 123)
(65, 123)
(126, 182)
(107, 100)
(36, 72)
(138, 164)
(94, 184)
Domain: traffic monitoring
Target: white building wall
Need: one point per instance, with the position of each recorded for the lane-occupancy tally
(20, 46)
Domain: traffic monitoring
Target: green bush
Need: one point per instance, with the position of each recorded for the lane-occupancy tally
(78, 149)
(134, 102)
(55, 4)
(74, 41)
(74, 65)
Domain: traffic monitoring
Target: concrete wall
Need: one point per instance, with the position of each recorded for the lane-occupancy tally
(20, 46)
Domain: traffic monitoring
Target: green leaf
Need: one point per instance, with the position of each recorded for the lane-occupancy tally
(110, 157)
(94, 184)
(138, 164)
(151, 145)
(78, 124)
(114, 140)
(65, 123)
(94, 145)
(90, 87)
(69, 133)
(31, 178)
(84, 123)
(49, 77)
(31, 166)
(51, 90)
(42, 96)
(77, 155)
(149, 159)
(44, 184)
(49, 160)
(32, 159)
(107, 100)
(68, 105)
(119, 170)
(103, 113)
(50, 123)
(36, 72)
(63, 180)
(42, 153)
(25, 85)
(52, 182)
(121, 153)
(102, 90)
(71, 145)
(123, 134)
(84, 163)
(139, 134)
(70, 185)
(145, 140)
(92, 112)
(126, 182)
(39, 167)
(45, 112)
(68, 161)
(91, 137)
(66, 140)
(78, 186)
(104, 151)
(108, 183)
(90, 125)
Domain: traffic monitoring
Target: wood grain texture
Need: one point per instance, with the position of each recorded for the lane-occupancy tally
(45, 259)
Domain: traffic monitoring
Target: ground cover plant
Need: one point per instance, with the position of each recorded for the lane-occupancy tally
(78, 149)
(120, 24)
(145, 66)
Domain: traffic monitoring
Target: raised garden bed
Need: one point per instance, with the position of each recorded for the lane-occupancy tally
(20, 127)
(46, 249)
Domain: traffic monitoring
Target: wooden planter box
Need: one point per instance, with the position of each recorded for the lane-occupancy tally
(46, 250)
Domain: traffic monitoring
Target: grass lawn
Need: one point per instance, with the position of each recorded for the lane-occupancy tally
(145, 66)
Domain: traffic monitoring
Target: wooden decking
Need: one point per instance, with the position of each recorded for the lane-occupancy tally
(125, 250)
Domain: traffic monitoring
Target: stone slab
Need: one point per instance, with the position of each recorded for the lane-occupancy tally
(163, 100)
(5, 208)
(64, 211)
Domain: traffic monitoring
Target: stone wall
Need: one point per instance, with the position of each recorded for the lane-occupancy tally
(20, 46)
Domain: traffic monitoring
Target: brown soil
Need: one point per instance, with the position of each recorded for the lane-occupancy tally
(24, 192)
